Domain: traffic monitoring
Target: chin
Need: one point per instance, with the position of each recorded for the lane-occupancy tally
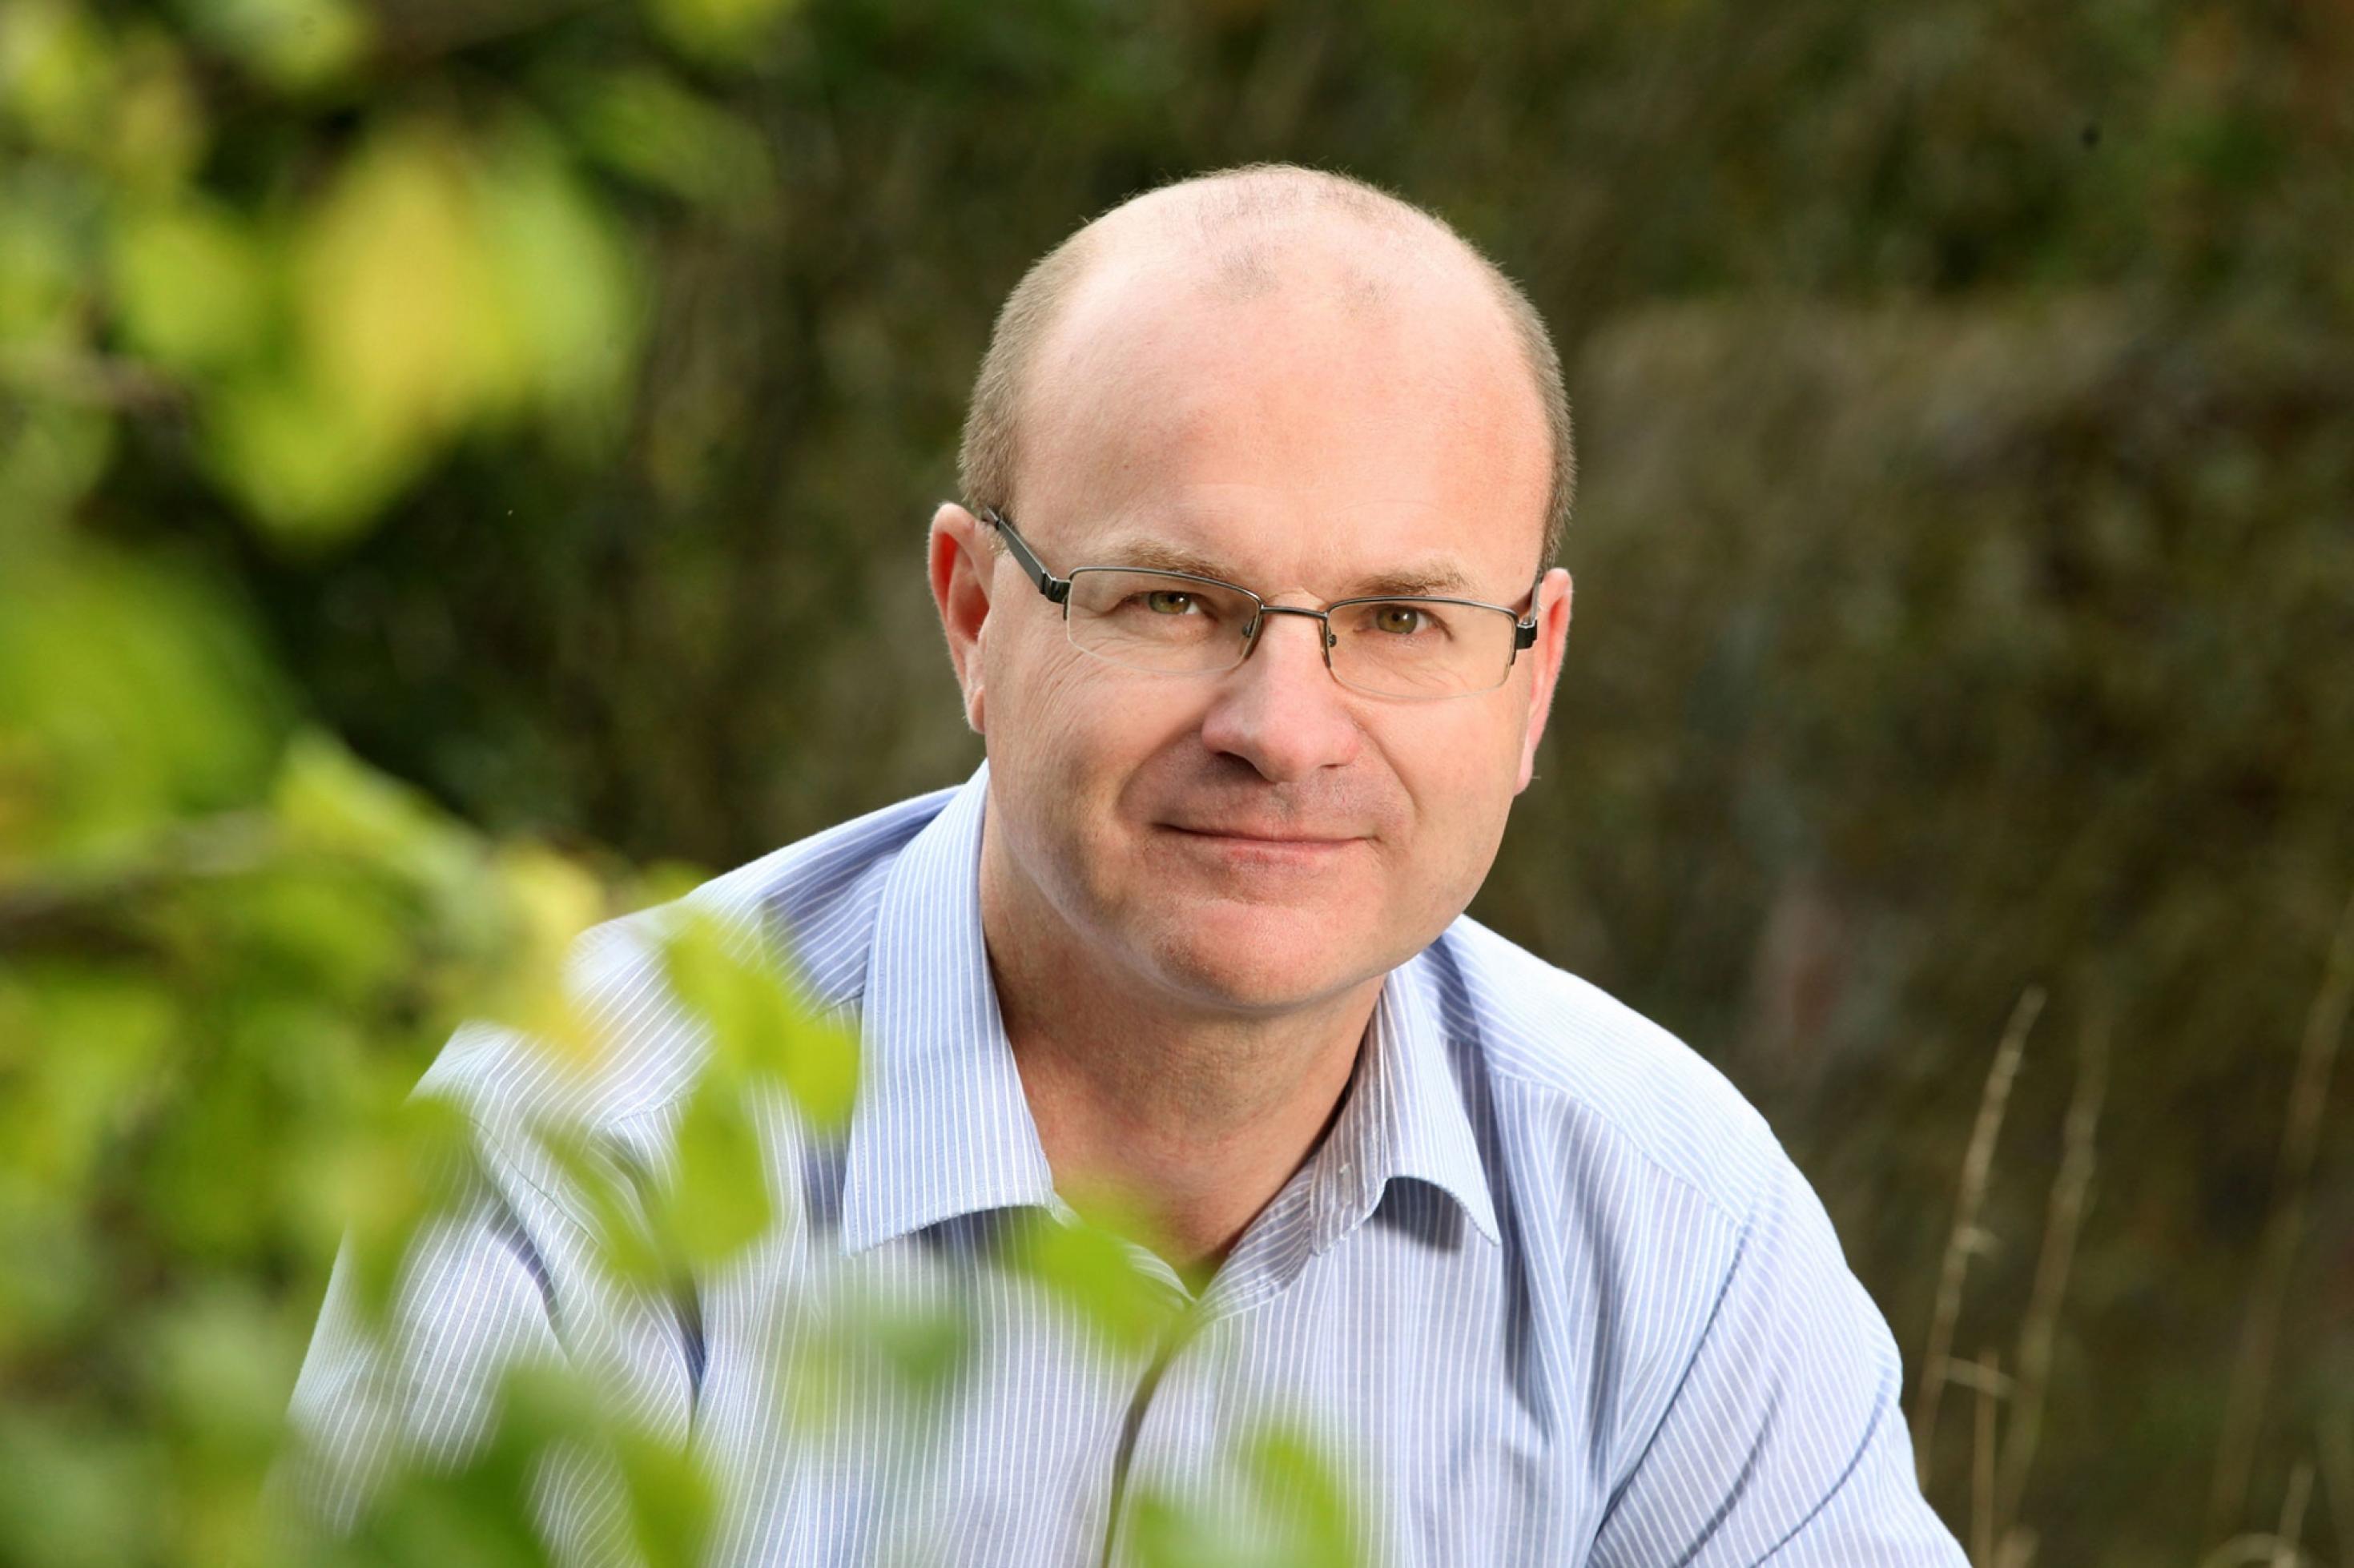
(1257, 959)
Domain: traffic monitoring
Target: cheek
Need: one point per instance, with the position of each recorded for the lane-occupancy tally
(1460, 774)
(1068, 733)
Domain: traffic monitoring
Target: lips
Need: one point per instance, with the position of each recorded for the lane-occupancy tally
(1276, 837)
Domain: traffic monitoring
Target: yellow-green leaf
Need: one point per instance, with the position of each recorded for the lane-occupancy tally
(296, 45)
(720, 1203)
(191, 283)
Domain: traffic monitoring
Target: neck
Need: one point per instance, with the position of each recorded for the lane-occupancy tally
(1192, 1116)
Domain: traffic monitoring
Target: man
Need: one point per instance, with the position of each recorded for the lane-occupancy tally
(1248, 600)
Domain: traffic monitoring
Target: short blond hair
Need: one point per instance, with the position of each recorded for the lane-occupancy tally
(1234, 205)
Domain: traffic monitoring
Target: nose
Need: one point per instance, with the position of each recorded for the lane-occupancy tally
(1280, 710)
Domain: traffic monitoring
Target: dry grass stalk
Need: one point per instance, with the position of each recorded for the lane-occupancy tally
(2286, 1553)
(2251, 1385)
(1989, 1384)
(2064, 1223)
(1937, 1361)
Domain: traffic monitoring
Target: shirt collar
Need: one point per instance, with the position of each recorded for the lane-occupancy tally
(1405, 1117)
(942, 1129)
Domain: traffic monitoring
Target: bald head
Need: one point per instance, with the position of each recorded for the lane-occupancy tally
(1240, 236)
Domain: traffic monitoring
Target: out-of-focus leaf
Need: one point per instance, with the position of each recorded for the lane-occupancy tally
(222, 1366)
(566, 282)
(671, 1500)
(1096, 1272)
(159, 134)
(889, 1357)
(328, 802)
(1297, 1512)
(719, 1204)
(41, 270)
(296, 45)
(646, 125)
(407, 1173)
(191, 284)
(628, 1242)
(63, 1489)
(1298, 1487)
(97, 1035)
(57, 72)
(549, 902)
(304, 462)
(758, 1028)
(396, 293)
(721, 32)
(52, 454)
(127, 697)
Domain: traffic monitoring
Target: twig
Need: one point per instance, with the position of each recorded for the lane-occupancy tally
(1965, 1238)
(2243, 1410)
(2071, 1198)
(1988, 1385)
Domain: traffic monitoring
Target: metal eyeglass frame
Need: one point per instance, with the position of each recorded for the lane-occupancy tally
(1057, 590)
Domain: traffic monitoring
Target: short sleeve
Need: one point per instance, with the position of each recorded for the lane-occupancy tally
(1785, 1441)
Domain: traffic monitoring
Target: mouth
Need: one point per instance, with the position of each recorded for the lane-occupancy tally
(1247, 840)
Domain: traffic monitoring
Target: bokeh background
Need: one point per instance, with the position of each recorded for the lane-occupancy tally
(453, 453)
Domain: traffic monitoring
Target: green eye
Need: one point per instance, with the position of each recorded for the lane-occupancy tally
(1399, 619)
(1169, 601)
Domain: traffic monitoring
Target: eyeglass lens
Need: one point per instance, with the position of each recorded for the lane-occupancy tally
(1393, 647)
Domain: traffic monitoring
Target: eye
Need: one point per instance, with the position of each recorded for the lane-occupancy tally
(1400, 620)
(1171, 601)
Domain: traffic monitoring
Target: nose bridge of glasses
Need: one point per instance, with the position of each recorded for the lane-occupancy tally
(1324, 638)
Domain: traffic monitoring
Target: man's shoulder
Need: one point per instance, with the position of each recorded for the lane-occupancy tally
(810, 905)
(1606, 1080)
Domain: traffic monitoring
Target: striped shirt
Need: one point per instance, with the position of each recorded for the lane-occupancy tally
(1548, 1291)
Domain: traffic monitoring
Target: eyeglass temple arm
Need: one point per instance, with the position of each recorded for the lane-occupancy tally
(1525, 632)
(1056, 590)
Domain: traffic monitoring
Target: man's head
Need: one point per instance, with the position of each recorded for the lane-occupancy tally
(1298, 384)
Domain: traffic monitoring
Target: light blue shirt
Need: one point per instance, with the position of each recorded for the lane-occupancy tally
(1549, 1291)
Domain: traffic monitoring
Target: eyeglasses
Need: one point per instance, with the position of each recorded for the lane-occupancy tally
(1416, 647)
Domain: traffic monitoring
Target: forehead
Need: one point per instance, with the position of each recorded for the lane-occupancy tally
(1327, 408)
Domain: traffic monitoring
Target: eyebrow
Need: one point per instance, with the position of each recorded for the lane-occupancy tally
(1159, 555)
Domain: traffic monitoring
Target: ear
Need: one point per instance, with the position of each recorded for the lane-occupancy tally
(1552, 640)
(963, 568)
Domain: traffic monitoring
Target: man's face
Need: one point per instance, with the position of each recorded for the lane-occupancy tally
(1265, 838)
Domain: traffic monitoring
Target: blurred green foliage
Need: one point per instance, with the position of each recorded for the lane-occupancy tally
(539, 403)
(310, 258)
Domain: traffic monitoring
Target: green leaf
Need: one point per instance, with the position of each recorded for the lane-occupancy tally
(627, 1243)
(159, 132)
(295, 44)
(396, 293)
(191, 282)
(1098, 1272)
(671, 1500)
(1298, 1485)
(565, 282)
(719, 32)
(758, 1030)
(128, 698)
(719, 1203)
(307, 464)
(644, 124)
(412, 1170)
(57, 73)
